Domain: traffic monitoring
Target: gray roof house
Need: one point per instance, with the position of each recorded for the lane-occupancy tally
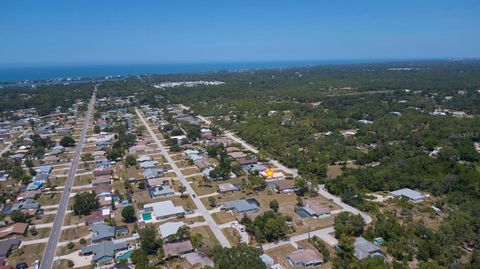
(46, 169)
(170, 228)
(101, 232)
(365, 249)
(150, 173)
(148, 164)
(410, 194)
(241, 206)
(40, 177)
(305, 258)
(104, 252)
(227, 187)
(267, 260)
(7, 245)
(159, 191)
(25, 205)
(164, 209)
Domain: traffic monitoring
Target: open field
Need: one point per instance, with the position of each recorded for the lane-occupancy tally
(27, 254)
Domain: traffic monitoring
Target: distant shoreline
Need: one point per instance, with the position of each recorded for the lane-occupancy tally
(18, 73)
(13, 76)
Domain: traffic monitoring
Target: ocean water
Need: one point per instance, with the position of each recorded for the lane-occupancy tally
(23, 73)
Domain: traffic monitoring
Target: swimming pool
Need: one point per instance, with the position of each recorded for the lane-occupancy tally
(123, 256)
(147, 216)
(302, 213)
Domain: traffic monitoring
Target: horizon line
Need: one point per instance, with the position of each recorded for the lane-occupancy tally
(171, 62)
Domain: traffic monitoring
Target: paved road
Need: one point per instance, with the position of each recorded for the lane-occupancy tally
(322, 191)
(251, 148)
(213, 225)
(50, 249)
(323, 234)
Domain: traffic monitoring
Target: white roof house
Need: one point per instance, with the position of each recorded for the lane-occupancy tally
(170, 228)
(410, 194)
(164, 209)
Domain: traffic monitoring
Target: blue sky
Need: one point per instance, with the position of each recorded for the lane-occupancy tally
(217, 31)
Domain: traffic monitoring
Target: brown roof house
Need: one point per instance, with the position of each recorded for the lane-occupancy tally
(103, 171)
(50, 159)
(102, 180)
(284, 186)
(98, 216)
(177, 248)
(15, 229)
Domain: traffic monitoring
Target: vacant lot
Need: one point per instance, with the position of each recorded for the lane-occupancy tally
(71, 219)
(208, 236)
(232, 235)
(74, 233)
(223, 217)
(42, 233)
(83, 180)
(49, 199)
(27, 254)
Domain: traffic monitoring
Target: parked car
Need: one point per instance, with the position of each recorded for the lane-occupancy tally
(22, 265)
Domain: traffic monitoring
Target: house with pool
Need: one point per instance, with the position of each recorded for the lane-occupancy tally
(159, 211)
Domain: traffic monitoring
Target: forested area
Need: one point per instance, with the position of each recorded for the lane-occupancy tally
(300, 116)
(43, 98)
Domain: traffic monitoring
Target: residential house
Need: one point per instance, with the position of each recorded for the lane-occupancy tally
(98, 216)
(42, 178)
(103, 171)
(243, 162)
(201, 164)
(284, 186)
(102, 232)
(14, 230)
(242, 206)
(315, 209)
(305, 258)
(227, 187)
(6, 246)
(273, 177)
(103, 252)
(254, 168)
(151, 173)
(34, 185)
(149, 164)
(364, 249)
(161, 191)
(177, 248)
(170, 228)
(105, 201)
(28, 206)
(46, 169)
(267, 260)
(103, 190)
(102, 180)
(144, 158)
(411, 195)
(164, 209)
(158, 181)
(27, 195)
(50, 159)
(4, 176)
(237, 155)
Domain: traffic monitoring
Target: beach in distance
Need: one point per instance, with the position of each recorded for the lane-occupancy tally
(45, 72)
